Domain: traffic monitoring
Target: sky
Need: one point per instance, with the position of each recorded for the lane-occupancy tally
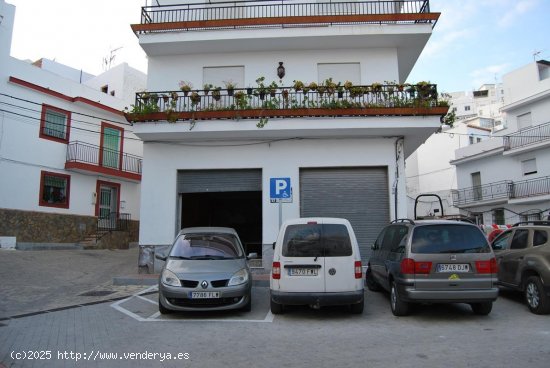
(474, 41)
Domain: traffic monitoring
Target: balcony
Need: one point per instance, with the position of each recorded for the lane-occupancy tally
(501, 192)
(526, 139)
(84, 157)
(326, 100)
(269, 14)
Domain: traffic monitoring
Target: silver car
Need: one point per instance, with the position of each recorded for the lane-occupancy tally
(433, 262)
(206, 269)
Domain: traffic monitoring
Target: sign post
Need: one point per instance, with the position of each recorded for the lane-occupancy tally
(280, 192)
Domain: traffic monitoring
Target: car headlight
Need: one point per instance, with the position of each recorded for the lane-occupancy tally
(238, 278)
(170, 278)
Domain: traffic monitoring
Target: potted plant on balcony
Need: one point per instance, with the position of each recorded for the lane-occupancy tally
(298, 85)
(185, 87)
(207, 87)
(340, 91)
(195, 98)
(313, 86)
(376, 87)
(216, 93)
(330, 86)
(273, 88)
(230, 87)
(261, 87)
(348, 85)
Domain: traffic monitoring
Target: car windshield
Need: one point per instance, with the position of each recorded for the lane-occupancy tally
(445, 238)
(316, 240)
(207, 246)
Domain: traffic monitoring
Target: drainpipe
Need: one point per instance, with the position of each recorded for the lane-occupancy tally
(398, 153)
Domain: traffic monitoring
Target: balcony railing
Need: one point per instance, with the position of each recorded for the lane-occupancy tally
(271, 13)
(94, 157)
(502, 190)
(260, 103)
(527, 137)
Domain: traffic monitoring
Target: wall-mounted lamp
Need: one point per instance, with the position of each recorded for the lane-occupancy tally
(280, 70)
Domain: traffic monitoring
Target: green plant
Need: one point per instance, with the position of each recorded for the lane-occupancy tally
(229, 85)
(298, 85)
(273, 88)
(185, 87)
(376, 87)
(195, 98)
(207, 87)
(216, 93)
(313, 86)
(330, 86)
(241, 100)
(348, 85)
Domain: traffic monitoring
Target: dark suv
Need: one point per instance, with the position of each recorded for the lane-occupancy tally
(523, 257)
(433, 261)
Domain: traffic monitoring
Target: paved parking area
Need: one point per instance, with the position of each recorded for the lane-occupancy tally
(103, 335)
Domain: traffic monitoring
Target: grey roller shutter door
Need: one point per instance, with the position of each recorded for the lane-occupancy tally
(202, 181)
(359, 195)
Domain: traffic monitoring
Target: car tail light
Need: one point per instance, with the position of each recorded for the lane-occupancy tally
(276, 270)
(489, 266)
(409, 266)
(358, 270)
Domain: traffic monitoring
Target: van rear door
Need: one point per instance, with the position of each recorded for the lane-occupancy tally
(339, 259)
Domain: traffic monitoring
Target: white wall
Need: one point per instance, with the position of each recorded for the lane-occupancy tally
(7, 16)
(124, 80)
(277, 159)
(165, 72)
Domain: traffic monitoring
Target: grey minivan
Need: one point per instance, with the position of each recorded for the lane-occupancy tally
(433, 261)
(206, 269)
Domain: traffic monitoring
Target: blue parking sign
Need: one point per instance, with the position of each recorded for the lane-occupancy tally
(280, 190)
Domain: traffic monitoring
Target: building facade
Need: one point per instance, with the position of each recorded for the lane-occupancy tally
(506, 179)
(255, 103)
(70, 164)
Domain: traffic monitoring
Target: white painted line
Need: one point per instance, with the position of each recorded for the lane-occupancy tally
(154, 316)
(147, 300)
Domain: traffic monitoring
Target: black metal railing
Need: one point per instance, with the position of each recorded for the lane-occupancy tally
(103, 157)
(333, 96)
(527, 137)
(114, 221)
(502, 190)
(235, 10)
(531, 187)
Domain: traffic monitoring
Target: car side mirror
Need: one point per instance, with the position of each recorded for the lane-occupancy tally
(374, 247)
(252, 256)
(161, 256)
(496, 247)
(274, 245)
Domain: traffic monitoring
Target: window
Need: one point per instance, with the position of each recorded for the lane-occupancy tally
(105, 89)
(478, 139)
(476, 184)
(339, 72)
(519, 241)
(54, 189)
(540, 237)
(316, 240)
(471, 139)
(524, 121)
(448, 239)
(498, 216)
(55, 124)
(218, 75)
(209, 246)
(112, 93)
(529, 167)
(467, 108)
(501, 242)
(395, 238)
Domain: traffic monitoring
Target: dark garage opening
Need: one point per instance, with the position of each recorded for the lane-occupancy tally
(239, 210)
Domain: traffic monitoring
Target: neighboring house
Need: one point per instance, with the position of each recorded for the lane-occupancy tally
(70, 164)
(429, 170)
(484, 102)
(507, 178)
(210, 155)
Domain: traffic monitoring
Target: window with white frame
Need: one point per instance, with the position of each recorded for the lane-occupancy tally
(524, 121)
(220, 76)
(529, 167)
(339, 72)
(498, 216)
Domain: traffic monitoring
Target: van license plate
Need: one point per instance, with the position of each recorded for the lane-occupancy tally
(204, 294)
(303, 271)
(457, 267)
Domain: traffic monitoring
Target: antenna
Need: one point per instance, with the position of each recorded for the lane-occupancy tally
(107, 61)
(535, 54)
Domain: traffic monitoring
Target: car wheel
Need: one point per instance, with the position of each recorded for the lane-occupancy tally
(372, 285)
(537, 301)
(398, 306)
(163, 309)
(482, 309)
(358, 307)
(276, 308)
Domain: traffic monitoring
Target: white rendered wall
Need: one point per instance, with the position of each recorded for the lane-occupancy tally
(124, 80)
(159, 211)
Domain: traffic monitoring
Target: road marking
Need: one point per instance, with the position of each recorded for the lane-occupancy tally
(155, 317)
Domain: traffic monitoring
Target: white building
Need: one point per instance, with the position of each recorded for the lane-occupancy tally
(507, 178)
(67, 154)
(485, 102)
(210, 159)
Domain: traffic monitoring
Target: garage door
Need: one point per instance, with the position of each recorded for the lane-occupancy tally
(359, 195)
(202, 181)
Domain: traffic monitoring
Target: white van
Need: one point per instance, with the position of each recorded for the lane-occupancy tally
(316, 262)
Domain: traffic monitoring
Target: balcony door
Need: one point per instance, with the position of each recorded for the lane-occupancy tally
(111, 146)
(476, 185)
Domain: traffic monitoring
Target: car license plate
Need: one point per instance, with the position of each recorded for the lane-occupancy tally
(303, 271)
(456, 267)
(204, 294)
